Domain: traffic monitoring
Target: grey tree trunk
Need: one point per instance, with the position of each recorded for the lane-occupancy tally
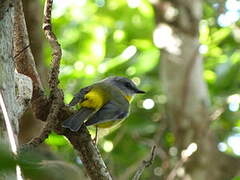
(7, 78)
(15, 88)
(187, 94)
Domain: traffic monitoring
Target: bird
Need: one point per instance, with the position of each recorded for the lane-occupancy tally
(103, 104)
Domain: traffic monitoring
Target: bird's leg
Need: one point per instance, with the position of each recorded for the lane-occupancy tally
(95, 138)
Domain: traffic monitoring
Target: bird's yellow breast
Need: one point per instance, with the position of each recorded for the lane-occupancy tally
(95, 98)
(129, 98)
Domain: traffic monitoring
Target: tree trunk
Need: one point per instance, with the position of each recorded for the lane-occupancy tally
(15, 88)
(188, 101)
(7, 78)
(30, 127)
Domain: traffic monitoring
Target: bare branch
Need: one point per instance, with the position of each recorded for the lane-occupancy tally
(52, 123)
(81, 141)
(56, 95)
(57, 52)
(145, 164)
(173, 172)
(185, 156)
(89, 154)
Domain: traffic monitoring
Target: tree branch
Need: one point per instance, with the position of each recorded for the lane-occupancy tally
(89, 154)
(57, 52)
(145, 164)
(81, 140)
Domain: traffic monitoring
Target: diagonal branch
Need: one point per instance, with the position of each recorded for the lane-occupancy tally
(56, 95)
(57, 52)
(145, 164)
(81, 140)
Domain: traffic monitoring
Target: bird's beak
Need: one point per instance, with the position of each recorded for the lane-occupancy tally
(138, 91)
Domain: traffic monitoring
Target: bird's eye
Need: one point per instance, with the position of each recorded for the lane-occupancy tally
(127, 84)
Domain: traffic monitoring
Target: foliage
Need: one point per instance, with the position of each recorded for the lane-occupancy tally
(102, 38)
(108, 37)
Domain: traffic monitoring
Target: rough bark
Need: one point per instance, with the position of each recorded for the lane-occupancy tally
(16, 88)
(24, 61)
(7, 84)
(86, 150)
(187, 94)
(33, 22)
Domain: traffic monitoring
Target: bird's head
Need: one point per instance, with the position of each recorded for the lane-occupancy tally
(125, 85)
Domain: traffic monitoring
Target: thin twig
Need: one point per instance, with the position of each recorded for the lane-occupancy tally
(56, 95)
(55, 92)
(49, 126)
(57, 52)
(131, 170)
(186, 154)
(145, 164)
(173, 172)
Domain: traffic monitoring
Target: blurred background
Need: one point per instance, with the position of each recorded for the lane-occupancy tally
(127, 38)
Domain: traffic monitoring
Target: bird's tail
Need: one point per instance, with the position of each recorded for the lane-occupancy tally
(76, 121)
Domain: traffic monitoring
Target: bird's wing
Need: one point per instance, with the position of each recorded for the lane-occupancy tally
(80, 96)
(75, 121)
(109, 112)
